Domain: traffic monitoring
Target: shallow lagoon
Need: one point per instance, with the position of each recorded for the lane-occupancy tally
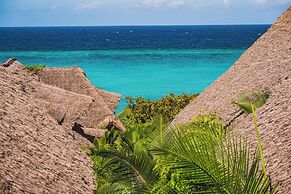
(135, 61)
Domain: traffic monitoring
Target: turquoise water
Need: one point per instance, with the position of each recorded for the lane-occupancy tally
(148, 61)
(148, 73)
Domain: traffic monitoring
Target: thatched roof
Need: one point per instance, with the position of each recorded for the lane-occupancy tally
(75, 80)
(45, 120)
(37, 155)
(265, 65)
(71, 98)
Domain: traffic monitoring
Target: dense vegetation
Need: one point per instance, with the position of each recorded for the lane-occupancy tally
(140, 110)
(34, 68)
(153, 157)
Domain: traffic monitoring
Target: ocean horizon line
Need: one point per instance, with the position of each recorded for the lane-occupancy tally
(136, 50)
(141, 25)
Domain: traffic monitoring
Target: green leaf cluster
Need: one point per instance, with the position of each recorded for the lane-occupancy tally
(141, 110)
(249, 102)
(34, 68)
(200, 157)
(255, 98)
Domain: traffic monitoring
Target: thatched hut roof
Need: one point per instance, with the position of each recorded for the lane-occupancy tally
(80, 101)
(45, 120)
(37, 155)
(265, 65)
(75, 80)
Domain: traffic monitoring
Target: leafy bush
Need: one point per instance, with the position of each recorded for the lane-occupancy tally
(140, 110)
(206, 122)
(34, 68)
(197, 158)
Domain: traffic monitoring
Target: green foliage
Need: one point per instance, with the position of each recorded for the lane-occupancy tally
(200, 157)
(248, 102)
(259, 141)
(196, 158)
(34, 68)
(210, 123)
(254, 98)
(201, 163)
(140, 110)
(111, 189)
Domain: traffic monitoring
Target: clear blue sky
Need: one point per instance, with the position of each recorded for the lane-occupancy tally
(138, 12)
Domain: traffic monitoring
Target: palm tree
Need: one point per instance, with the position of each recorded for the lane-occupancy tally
(198, 158)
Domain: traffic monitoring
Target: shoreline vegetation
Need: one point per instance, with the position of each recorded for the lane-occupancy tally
(200, 157)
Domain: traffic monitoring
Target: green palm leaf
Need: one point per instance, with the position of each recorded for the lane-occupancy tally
(204, 163)
(110, 189)
(135, 167)
(198, 158)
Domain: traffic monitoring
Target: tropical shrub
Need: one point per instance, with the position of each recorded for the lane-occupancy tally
(140, 110)
(197, 158)
(206, 122)
(34, 68)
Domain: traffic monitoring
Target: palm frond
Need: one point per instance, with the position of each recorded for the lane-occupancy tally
(206, 164)
(199, 158)
(111, 189)
(135, 167)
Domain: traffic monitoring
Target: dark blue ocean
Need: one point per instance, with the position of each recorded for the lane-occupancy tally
(148, 61)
